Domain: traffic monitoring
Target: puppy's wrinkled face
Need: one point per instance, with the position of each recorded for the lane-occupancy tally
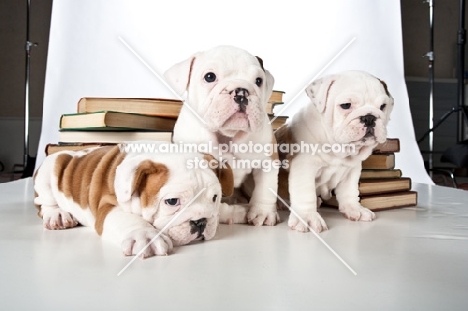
(231, 89)
(357, 108)
(197, 197)
(226, 86)
(157, 186)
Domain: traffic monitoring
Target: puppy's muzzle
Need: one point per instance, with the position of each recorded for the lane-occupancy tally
(240, 97)
(369, 122)
(198, 226)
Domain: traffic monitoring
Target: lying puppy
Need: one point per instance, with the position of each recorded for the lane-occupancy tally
(227, 91)
(349, 110)
(129, 197)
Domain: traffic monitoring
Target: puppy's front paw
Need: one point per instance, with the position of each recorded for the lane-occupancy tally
(148, 241)
(56, 218)
(307, 221)
(260, 217)
(357, 212)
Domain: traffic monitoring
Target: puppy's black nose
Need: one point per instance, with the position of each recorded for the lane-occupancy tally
(240, 97)
(368, 120)
(198, 226)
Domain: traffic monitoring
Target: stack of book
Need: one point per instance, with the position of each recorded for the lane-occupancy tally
(105, 120)
(100, 121)
(275, 100)
(382, 185)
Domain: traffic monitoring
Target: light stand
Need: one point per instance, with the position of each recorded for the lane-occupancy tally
(430, 56)
(461, 109)
(461, 41)
(28, 46)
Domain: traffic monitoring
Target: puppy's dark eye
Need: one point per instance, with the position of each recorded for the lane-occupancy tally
(210, 77)
(346, 106)
(172, 201)
(214, 197)
(382, 107)
(259, 82)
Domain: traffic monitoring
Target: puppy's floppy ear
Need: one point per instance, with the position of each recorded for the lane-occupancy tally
(384, 85)
(260, 60)
(144, 177)
(269, 83)
(178, 76)
(391, 104)
(224, 174)
(270, 80)
(318, 91)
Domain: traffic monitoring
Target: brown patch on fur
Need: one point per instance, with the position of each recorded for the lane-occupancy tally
(148, 181)
(106, 204)
(89, 180)
(224, 174)
(283, 184)
(274, 155)
(284, 135)
(385, 87)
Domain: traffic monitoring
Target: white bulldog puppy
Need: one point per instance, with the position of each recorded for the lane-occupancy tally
(346, 118)
(129, 198)
(227, 90)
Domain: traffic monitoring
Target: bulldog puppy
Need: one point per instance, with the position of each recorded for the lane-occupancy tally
(345, 119)
(227, 90)
(130, 197)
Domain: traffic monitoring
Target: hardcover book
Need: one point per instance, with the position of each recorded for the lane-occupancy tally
(150, 106)
(276, 96)
(53, 148)
(391, 145)
(112, 136)
(382, 202)
(278, 122)
(109, 120)
(379, 161)
(373, 174)
(377, 186)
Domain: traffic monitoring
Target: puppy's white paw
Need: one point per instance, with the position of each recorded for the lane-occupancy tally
(260, 217)
(233, 214)
(357, 212)
(313, 220)
(148, 241)
(54, 219)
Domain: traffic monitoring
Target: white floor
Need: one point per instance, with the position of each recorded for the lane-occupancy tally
(407, 259)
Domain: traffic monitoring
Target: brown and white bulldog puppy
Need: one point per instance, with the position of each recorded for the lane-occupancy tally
(227, 90)
(130, 197)
(345, 119)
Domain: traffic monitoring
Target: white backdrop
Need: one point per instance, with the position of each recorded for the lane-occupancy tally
(87, 58)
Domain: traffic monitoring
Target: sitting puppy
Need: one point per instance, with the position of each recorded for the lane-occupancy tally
(129, 197)
(349, 110)
(227, 92)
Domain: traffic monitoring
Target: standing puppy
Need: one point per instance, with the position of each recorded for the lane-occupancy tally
(346, 118)
(227, 91)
